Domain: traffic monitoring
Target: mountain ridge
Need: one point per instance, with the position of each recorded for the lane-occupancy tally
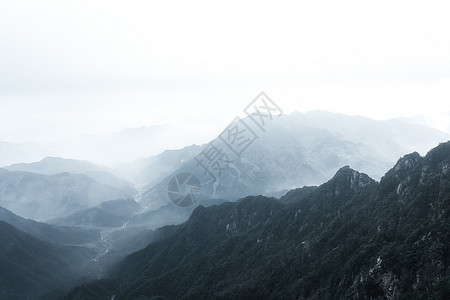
(40, 196)
(58, 235)
(31, 267)
(296, 150)
(365, 241)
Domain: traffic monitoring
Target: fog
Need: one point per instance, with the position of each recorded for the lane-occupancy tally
(75, 75)
(293, 136)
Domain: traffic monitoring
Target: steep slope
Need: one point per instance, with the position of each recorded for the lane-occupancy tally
(31, 267)
(45, 232)
(38, 196)
(167, 215)
(350, 238)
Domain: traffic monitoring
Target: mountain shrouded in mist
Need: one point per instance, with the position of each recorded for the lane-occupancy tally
(38, 196)
(57, 165)
(293, 150)
(350, 238)
(141, 156)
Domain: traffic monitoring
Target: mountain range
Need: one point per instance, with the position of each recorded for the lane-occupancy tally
(56, 165)
(349, 238)
(106, 149)
(39, 196)
(293, 150)
(62, 235)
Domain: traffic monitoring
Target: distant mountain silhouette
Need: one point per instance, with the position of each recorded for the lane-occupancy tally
(38, 196)
(57, 165)
(293, 150)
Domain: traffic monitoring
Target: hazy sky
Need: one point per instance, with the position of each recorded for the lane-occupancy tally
(77, 67)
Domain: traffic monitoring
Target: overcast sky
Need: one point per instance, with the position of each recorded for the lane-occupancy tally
(77, 67)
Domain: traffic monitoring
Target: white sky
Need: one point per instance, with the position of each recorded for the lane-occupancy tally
(76, 67)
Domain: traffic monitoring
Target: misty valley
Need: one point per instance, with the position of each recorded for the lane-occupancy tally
(317, 205)
(224, 150)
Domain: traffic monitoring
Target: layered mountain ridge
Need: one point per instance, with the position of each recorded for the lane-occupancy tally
(39, 196)
(350, 238)
(293, 150)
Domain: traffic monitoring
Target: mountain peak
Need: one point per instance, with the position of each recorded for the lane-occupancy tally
(347, 177)
(344, 170)
(407, 162)
(440, 153)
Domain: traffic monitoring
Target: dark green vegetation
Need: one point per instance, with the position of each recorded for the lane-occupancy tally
(30, 267)
(350, 238)
(41, 261)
